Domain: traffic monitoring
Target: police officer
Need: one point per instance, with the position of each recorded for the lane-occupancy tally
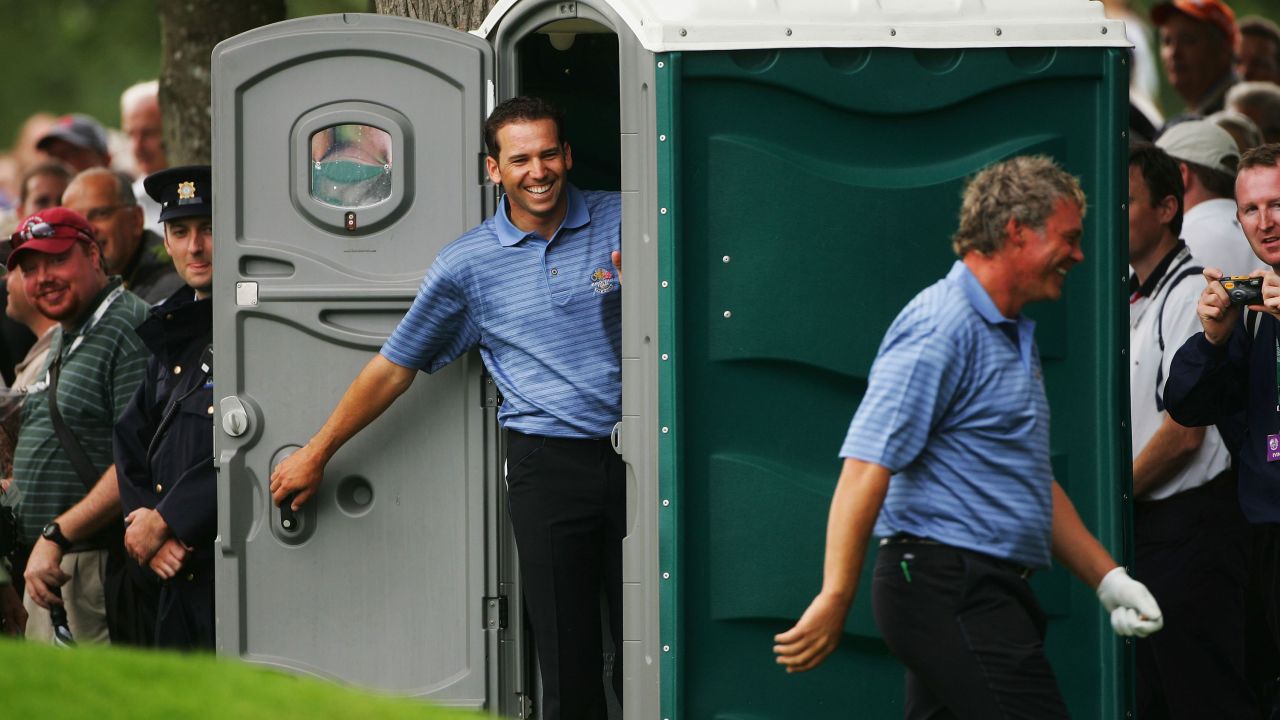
(164, 439)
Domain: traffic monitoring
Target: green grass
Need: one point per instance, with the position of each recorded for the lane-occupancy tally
(105, 683)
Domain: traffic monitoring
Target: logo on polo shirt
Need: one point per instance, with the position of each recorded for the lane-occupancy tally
(602, 281)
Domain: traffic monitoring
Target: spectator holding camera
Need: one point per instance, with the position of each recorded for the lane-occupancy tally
(1233, 364)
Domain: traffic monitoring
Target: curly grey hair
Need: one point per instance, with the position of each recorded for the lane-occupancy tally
(1023, 188)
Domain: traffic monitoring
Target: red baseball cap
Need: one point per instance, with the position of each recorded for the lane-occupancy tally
(1214, 12)
(50, 231)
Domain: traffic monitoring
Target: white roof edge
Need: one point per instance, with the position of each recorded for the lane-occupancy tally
(671, 25)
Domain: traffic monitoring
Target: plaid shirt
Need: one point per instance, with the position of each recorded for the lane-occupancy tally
(96, 383)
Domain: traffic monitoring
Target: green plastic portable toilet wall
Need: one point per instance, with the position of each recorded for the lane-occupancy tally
(790, 174)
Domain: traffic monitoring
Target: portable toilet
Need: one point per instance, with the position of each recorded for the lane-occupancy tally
(790, 174)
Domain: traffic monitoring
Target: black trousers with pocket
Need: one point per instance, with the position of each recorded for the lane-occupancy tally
(970, 631)
(568, 513)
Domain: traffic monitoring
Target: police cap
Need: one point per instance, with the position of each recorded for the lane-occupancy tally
(185, 191)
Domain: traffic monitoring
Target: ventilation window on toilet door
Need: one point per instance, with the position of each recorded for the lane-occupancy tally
(351, 166)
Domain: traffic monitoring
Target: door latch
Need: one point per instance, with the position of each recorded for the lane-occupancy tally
(235, 419)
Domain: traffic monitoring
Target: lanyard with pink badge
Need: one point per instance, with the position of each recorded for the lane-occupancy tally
(1273, 441)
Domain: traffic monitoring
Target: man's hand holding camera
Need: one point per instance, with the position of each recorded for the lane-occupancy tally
(1224, 296)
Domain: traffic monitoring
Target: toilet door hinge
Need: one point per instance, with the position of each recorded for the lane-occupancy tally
(495, 613)
(488, 391)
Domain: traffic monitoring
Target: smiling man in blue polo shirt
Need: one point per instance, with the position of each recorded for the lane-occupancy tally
(948, 457)
(537, 289)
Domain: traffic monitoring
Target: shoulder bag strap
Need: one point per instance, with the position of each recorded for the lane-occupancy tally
(1192, 271)
(70, 443)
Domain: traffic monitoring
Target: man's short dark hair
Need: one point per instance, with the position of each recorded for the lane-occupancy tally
(1262, 156)
(1218, 183)
(52, 168)
(1162, 176)
(524, 108)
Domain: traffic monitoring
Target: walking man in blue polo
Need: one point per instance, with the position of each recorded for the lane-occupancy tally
(537, 289)
(948, 458)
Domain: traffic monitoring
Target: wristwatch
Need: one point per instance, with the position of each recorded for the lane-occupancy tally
(53, 534)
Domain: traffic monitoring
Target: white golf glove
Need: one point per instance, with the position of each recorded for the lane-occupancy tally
(1133, 610)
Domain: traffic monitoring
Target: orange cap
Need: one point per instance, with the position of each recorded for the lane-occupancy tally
(1214, 12)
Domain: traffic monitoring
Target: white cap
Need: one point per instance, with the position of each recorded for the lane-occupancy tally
(1204, 143)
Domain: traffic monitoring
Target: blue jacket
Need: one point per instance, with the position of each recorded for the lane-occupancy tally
(1235, 387)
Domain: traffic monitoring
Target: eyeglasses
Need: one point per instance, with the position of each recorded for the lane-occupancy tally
(99, 214)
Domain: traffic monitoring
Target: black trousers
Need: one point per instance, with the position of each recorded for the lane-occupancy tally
(568, 512)
(185, 617)
(1192, 553)
(970, 631)
(1263, 613)
(132, 592)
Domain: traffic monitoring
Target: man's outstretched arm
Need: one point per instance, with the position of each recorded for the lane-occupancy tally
(854, 508)
(370, 394)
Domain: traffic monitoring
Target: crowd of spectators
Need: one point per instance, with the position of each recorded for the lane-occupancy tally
(100, 237)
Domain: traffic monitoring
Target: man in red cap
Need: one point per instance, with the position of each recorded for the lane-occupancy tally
(1197, 46)
(63, 461)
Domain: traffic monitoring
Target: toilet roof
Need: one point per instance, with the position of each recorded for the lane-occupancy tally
(669, 25)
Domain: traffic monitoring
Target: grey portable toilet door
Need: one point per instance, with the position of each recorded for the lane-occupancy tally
(346, 154)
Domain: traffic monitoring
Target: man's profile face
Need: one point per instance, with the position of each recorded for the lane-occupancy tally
(1258, 59)
(119, 227)
(1258, 208)
(43, 192)
(1195, 56)
(1046, 255)
(189, 241)
(531, 167)
(141, 122)
(62, 286)
(1146, 217)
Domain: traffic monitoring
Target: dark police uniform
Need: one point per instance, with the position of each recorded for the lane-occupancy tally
(164, 438)
(164, 458)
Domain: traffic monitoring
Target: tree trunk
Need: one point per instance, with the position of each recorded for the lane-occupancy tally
(462, 15)
(188, 32)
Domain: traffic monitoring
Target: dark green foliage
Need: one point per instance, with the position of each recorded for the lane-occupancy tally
(63, 56)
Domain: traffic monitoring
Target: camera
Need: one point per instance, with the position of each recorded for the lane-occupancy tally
(1243, 290)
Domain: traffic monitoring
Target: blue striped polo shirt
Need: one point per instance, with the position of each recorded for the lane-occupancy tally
(545, 313)
(955, 409)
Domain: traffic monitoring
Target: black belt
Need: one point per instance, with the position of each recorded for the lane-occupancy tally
(1021, 571)
(564, 441)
